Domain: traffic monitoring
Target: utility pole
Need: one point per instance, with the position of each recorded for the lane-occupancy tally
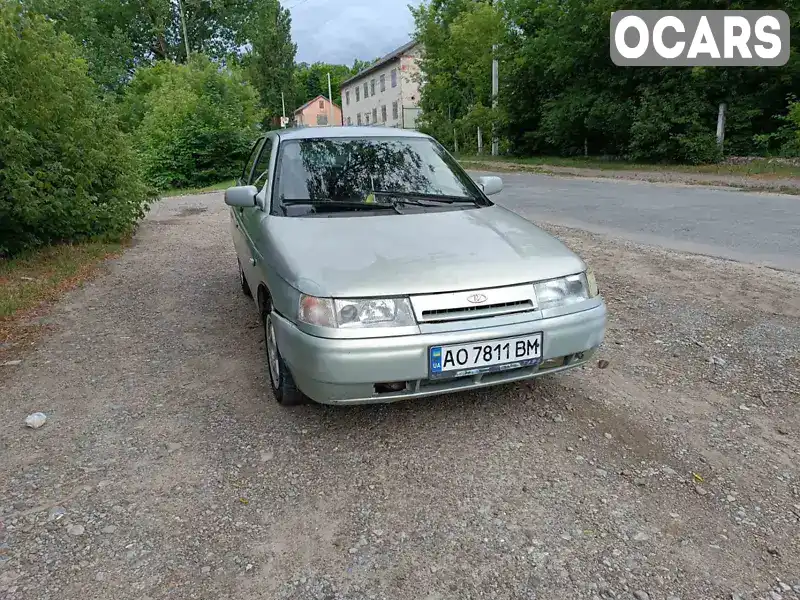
(283, 105)
(330, 97)
(495, 86)
(480, 141)
(183, 25)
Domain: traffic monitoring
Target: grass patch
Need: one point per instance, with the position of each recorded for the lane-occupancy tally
(222, 185)
(43, 275)
(757, 168)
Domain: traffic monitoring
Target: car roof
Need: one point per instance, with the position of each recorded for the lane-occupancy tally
(306, 133)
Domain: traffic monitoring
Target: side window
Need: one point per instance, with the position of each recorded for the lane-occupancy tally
(261, 172)
(250, 161)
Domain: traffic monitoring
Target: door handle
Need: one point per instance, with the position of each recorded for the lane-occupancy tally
(252, 262)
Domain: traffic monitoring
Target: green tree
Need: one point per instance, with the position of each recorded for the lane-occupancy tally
(193, 124)
(270, 61)
(311, 81)
(119, 37)
(67, 172)
(561, 94)
(458, 36)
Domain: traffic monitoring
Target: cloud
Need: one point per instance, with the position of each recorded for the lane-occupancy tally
(339, 31)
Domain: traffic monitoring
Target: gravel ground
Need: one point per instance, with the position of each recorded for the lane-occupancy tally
(166, 470)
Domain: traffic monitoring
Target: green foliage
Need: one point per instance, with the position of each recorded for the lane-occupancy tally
(67, 172)
(311, 81)
(117, 37)
(561, 94)
(458, 36)
(791, 146)
(270, 62)
(193, 124)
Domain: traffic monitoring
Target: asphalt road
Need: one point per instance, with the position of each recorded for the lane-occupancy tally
(749, 227)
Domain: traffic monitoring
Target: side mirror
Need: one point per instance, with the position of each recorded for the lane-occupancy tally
(490, 184)
(243, 196)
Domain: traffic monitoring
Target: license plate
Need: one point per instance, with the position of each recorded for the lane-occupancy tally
(485, 357)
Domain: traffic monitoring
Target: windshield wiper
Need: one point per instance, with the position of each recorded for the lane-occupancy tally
(334, 205)
(447, 199)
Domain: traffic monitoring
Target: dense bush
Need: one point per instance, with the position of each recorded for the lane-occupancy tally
(193, 124)
(66, 170)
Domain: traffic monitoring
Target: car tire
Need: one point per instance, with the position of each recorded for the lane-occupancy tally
(283, 386)
(243, 281)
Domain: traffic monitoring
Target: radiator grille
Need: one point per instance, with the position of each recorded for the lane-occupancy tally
(471, 312)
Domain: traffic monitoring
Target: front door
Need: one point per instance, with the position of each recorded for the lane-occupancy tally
(236, 214)
(251, 219)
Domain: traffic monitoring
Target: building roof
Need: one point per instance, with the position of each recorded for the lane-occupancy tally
(310, 102)
(393, 55)
(305, 133)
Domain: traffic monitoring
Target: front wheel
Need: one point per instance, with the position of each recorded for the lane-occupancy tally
(283, 386)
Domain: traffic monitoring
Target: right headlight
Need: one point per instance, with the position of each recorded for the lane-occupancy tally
(565, 290)
(356, 313)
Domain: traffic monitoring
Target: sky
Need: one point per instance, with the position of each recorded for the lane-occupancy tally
(339, 31)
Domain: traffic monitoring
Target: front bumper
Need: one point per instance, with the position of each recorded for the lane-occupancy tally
(346, 371)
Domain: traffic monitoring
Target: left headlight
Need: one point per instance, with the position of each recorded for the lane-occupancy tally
(355, 312)
(565, 290)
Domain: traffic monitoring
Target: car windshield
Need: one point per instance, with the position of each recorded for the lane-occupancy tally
(369, 169)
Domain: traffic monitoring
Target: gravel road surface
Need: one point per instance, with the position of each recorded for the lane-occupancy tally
(166, 470)
(747, 226)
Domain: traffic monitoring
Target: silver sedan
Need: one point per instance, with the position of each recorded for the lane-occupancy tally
(383, 272)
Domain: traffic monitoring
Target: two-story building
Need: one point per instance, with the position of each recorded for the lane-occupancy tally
(387, 92)
(317, 113)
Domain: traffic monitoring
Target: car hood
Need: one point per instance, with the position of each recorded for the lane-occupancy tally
(418, 253)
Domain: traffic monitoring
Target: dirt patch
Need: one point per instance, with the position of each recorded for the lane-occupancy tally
(167, 470)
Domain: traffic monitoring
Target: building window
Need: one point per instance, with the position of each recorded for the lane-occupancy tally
(394, 111)
(347, 97)
(322, 104)
(349, 121)
(374, 115)
(383, 82)
(358, 93)
(366, 118)
(322, 119)
(366, 89)
(394, 77)
(372, 87)
(358, 118)
(383, 113)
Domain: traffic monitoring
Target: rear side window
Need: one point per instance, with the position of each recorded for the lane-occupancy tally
(248, 168)
(261, 171)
